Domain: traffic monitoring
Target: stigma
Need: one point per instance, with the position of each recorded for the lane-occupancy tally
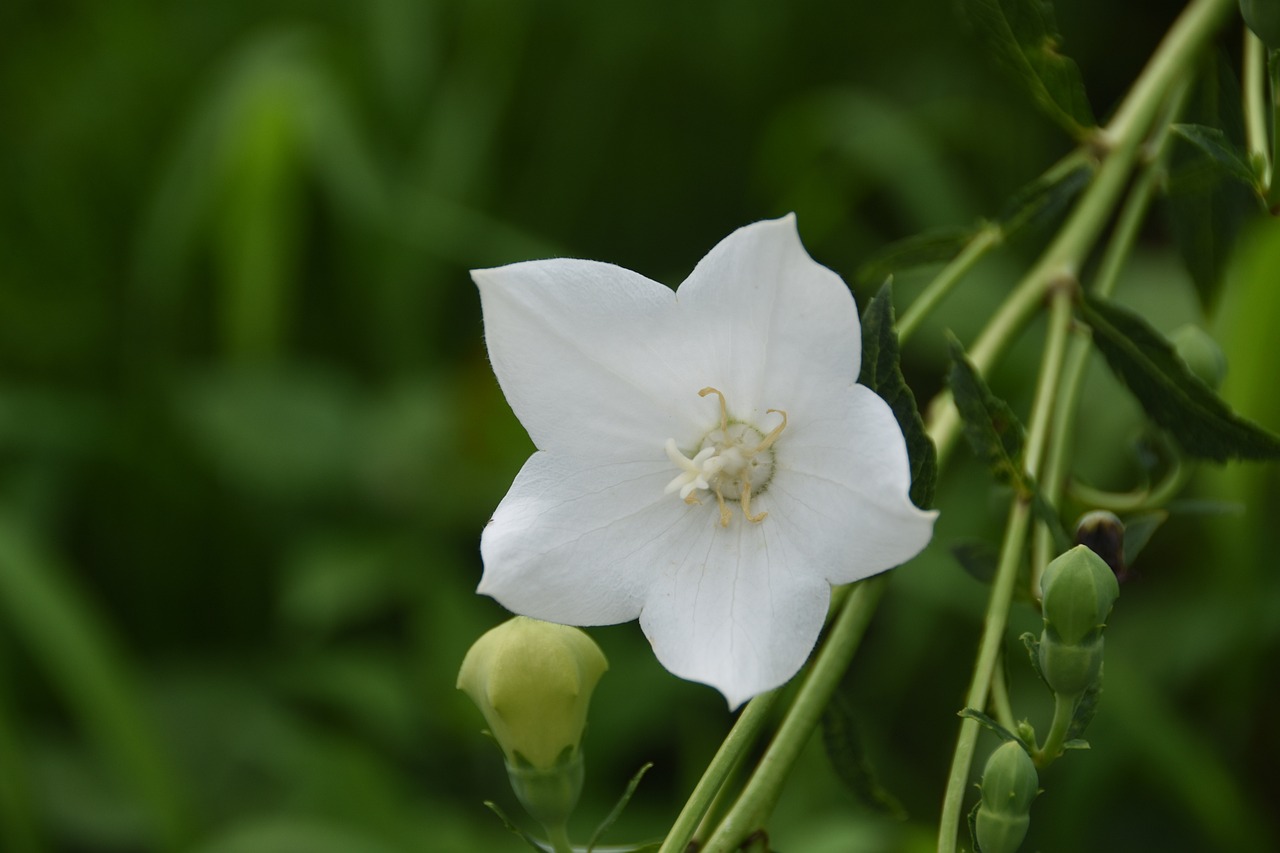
(733, 461)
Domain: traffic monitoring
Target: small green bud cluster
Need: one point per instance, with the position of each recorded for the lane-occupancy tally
(1009, 784)
(1079, 590)
(533, 681)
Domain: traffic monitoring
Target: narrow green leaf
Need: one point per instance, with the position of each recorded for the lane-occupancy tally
(1138, 530)
(1082, 715)
(1048, 516)
(511, 827)
(849, 759)
(978, 558)
(1032, 644)
(973, 826)
(988, 722)
(1172, 397)
(882, 373)
(1042, 201)
(918, 250)
(1228, 157)
(1023, 37)
(990, 426)
(618, 807)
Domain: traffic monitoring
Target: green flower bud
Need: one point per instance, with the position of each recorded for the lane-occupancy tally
(1194, 346)
(1009, 784)
(1263, 17)
(1078, 591)
(533, 681)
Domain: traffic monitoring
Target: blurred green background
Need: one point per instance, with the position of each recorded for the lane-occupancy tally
(248, 434)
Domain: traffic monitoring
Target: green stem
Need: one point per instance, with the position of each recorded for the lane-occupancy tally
(1120, 143)
(1064, 708)
(1000, 699)
(1273, 192)
(558, 836)
(761, 792)
(1255, 111)
(741, 737)
(933, 294)
(1166, 490)
(1007, 571)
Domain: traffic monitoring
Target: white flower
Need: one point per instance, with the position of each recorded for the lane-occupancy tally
(706, 461)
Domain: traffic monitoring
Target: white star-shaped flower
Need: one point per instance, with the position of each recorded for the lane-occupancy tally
(706, 461)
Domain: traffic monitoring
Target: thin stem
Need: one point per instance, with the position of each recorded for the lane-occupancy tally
(1273, 68)
(741, 737)
(1165, 491)
(1000, 698)
(761, 792)
(1064, 708)
(1255, 110)
(1007, 571)
(978, 246)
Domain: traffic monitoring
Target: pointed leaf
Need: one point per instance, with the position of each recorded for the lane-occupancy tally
(990, 426)
(1042, 201)
(1082, 715)
(918, 250)
(511, 827)
(882, 373)
(1171, 395)
(849, 759)
(988, 722)
(618, 807)
(1032, 644)
(1229, 158)
(1138, 530)
(1023, 37)
(978, 558)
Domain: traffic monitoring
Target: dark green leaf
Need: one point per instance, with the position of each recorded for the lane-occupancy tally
(1023, 37)
(1172, 397)
(1048, 516)
(931, 247)
(1138, 530)
(1222, 152)
(618, 807)
(1206, 209)
(882, 373)
(1032, 644)
(849, 759)
(978, 558)
(989, 722)
(990, 426)
(973, 826)
(1042, 201)
(1082, 715)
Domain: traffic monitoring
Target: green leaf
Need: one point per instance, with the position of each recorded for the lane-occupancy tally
(849, 760)
(978, 558)
(1138, 530)
(511, 827)
(1042, 201)
(618, 807)
(1023, 37)
(931, 247)
(990, 426)
(882, 373)
(988, 722)
(1228, 157)
(1032, 644)
(1048, 516)
(1197, 418)
(1083, 713)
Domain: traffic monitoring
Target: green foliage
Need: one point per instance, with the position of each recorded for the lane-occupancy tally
(1230, 159)
(1024, 37)
(1203, 425)
(843, 743)
(990, 724)
(918, 250)
(882, 373)
(992, 429)
(1042, 202)
(612, 818)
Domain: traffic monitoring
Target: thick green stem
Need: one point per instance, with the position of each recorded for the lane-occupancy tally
(558, 836)
(740, 739)
(1011, 552)
(761, 792)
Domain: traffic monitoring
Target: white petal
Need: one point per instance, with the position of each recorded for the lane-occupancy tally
(840, 489)
(578, 540)
(738, 610)
(588, 356)
(780, 326)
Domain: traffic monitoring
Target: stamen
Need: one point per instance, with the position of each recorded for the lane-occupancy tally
(725, 515)
(746, 505)
(724, 412)
(777, 431)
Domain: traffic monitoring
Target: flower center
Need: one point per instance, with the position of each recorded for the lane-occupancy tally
(732, 461)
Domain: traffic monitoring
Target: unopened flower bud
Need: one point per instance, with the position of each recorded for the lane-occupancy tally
(1263, 17)
(1103, 533)
(1203, 357)
(1079, 590)
(1009, 784)
(533, 681)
